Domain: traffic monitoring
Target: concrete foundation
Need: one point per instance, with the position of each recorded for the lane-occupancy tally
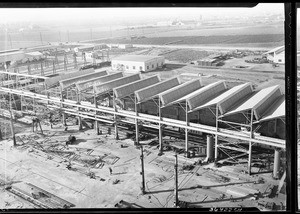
(276, 163)
(210, 148)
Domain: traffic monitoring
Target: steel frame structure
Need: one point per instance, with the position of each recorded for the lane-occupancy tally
(82, 110)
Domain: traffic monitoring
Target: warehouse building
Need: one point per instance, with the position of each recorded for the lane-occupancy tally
(276, 55)
(137, 63)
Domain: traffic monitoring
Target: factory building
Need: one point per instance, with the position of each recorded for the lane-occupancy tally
(120, 46)
(276, 55)
(137, 63)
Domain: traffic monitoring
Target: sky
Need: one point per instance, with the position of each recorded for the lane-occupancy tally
(39, 15)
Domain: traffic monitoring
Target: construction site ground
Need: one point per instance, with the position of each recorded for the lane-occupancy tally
(37, 161)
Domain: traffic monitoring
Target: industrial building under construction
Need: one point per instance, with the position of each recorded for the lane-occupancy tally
(212, 126)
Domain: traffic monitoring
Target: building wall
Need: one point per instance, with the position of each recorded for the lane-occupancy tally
(279, 58)
(138, 66)
(125, 46)
(154, 64)
(273, 128)
(127, 66)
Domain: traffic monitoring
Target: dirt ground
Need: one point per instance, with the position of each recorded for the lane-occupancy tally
(201, 186)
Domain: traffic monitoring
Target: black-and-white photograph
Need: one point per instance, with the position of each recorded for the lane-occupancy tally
(143, 107)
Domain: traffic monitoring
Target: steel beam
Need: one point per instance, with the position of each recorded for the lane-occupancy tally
(155, 119)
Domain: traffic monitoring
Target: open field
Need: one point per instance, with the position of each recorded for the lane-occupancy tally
(272, 32)
(200, 40)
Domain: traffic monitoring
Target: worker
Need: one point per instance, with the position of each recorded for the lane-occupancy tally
(33, 122)
(69, 166)
(110, 170)
(51, 120)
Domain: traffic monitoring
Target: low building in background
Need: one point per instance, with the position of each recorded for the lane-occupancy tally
(137, 63)
(276, 55)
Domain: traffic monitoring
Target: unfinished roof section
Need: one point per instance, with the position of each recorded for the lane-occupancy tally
(276, 50)
(97, 81)
(68, 82)
(259, 102)
(130, 88)
(108, 86)
(179, 91)
(276, 110)
(205, 94)
(227, 99)
(54, 80)
(12, 56)
(153, 90)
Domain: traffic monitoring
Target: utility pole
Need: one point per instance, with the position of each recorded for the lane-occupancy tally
(176, 181)
(142, 173)
(11, 121)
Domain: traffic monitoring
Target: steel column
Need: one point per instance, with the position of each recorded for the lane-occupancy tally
(11, 122)
(136, 121)
(250, 143)
(96, 106)
(160, 131)
(142, 172)
(216, 136)
(115, 117)
(78, 111)
(61, 105)
(176, 202)
(186, 130)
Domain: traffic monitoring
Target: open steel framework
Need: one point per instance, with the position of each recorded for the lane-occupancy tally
(190, 96)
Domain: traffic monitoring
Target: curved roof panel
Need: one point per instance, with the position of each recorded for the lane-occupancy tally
(276, 110)
(130, 88)
(259, 102)
(179, 91)
(153, 90)
(108, 86)
(97, 81)
(68, 82)
(54, 80)
(205, 94)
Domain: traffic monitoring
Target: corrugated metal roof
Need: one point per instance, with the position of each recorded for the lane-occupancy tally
(259, 102)
(108, 86)
(203, 95)
(153, 90)
(136, 58)
(276, 110)
(54, 80)
(179, 91)
(33, 54)
(97, 81)
(228, 98)
(12, 56)
(276, 50)
(130, 88)
(68, 82)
